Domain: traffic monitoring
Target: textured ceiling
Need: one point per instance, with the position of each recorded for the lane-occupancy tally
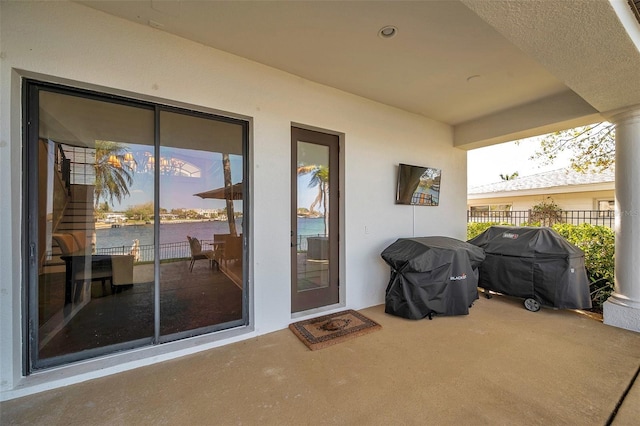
(582, 43)
(452, 61)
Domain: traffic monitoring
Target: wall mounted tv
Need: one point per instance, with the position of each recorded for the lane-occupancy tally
(418, 186)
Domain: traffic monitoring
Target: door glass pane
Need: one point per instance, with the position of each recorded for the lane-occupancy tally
(94, 286)
(312, 216)
(201, 223)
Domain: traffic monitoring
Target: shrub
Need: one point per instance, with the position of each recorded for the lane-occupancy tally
(546, 213)
(531, 224)
(476, 228)
(598, 244)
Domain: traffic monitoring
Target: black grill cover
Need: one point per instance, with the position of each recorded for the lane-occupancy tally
(536, 263)
(431, 275)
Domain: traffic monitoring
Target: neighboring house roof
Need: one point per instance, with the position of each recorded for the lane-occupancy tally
(561, 180)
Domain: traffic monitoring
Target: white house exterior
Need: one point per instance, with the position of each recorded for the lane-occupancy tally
(458, 75)
(569, 189)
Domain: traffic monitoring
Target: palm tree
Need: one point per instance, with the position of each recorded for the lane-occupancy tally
(114, 168)
(226, 167)
(319, 178)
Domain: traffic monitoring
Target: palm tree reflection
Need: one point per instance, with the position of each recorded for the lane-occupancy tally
(114, 169)
(320, 179)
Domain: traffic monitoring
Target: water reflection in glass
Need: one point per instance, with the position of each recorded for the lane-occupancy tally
(91, 292)
(201, 211)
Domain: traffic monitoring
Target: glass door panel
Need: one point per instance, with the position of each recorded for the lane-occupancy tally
(313, 216)
(314, 220)
(201, 224)
(94, 291)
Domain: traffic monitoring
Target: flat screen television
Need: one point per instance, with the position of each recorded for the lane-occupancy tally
(418, 186)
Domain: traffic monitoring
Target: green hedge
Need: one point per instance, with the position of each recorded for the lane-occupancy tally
(598, 244)
(476, 228)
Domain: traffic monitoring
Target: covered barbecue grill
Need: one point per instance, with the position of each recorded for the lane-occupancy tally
(431, 275)
(535, 263)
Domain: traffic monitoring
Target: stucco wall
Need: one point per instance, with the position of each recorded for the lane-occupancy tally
(72, 44)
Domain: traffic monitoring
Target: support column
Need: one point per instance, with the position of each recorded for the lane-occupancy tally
(622, 309)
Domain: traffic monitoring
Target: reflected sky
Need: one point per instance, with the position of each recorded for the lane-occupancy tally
(184, 173)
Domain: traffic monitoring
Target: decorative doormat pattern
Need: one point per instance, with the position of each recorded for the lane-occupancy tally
(318, 333)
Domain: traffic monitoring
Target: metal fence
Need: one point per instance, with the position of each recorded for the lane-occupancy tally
(178, 250)
(520, 217)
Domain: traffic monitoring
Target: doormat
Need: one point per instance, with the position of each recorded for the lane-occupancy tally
(318, 333)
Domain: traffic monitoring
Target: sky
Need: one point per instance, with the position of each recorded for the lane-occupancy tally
(484, 165)
(179, 192)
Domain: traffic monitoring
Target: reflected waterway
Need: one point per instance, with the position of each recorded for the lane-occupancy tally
(169, 233)
(177, 232)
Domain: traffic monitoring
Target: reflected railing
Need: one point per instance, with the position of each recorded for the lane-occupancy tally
(63, 167)
(179, 250)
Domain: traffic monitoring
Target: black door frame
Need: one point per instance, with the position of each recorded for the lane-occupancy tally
(30, 224)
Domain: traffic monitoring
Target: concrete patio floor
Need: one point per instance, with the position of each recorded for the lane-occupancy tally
(501, 364)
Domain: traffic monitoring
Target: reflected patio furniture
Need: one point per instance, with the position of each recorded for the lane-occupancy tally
(231, 192)
(219, 243)
(197, 253)
(87, 268)
(121, 270)
(318, 248)
(70, 243)
(80, 269)
(228, 247)
(80, 265)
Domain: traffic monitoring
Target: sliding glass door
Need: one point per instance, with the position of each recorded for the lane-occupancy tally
(201, 204)
(134, 225)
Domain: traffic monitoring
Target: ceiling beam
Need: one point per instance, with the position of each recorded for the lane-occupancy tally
(557, 112)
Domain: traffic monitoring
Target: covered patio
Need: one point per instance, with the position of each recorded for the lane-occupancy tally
(501, 364)
(418, 82)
